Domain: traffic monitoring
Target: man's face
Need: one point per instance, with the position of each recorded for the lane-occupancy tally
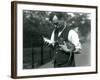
(77, 29)
(59, 25)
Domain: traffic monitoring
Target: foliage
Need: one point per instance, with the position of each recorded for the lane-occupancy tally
(40, 23)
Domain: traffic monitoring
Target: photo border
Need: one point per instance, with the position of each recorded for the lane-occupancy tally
(14, 37)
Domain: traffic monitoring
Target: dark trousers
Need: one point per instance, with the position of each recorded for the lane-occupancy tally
(64, 60)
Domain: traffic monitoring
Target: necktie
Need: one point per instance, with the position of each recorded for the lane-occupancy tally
(56, 35)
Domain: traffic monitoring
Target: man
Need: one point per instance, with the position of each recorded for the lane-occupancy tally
(66, 45)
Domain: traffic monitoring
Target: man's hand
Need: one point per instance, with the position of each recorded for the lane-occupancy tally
(64, 47)
(77, 51)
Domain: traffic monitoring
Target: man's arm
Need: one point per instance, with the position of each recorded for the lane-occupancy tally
(74, 38)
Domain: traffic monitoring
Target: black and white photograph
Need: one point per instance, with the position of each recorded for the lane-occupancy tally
(55, 38)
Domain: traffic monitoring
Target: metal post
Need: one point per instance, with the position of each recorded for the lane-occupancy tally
(42, 53)
(32, 57)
